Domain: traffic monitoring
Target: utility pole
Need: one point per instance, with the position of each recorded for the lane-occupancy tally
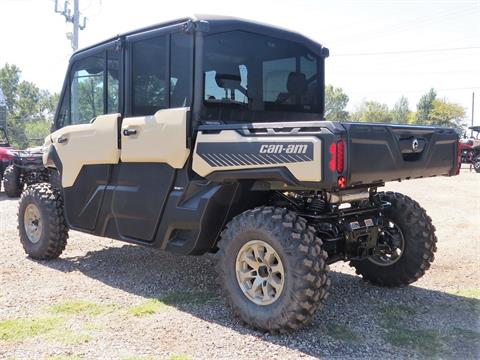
(74, 19)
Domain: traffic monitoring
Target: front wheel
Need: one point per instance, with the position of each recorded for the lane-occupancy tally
(41, 223)
(272, 269)
(405, 249)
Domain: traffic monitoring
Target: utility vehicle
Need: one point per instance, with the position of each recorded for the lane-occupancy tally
(470, 149)
(26, 168)
(207, 134)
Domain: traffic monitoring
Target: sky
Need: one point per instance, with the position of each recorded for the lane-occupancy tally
(379, 50)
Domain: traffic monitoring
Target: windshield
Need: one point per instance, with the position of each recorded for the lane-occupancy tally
(251, 77)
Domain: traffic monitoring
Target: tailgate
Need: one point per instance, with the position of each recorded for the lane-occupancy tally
(381, 152)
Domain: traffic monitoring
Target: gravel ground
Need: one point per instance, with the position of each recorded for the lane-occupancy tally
(106, 299)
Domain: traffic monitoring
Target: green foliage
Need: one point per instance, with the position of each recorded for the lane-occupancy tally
(400, 112)
(335, 103)
(444, 113)
(425, 105)
(30, 109)
(372, 111)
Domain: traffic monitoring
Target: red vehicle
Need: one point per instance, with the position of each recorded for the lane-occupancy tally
(5, 158)
(470, 149)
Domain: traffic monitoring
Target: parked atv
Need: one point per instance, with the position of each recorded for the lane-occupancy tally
(211, 137)
(5, 157)
(26, 169)
(470, 149)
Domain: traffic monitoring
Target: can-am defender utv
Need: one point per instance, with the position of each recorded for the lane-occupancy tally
(207, 135)
(26, 169)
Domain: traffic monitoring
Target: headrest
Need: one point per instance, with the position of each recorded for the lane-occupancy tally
(228, 81)
(296, 83)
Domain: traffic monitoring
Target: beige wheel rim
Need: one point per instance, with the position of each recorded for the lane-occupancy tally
(260, 272)
(33, 223)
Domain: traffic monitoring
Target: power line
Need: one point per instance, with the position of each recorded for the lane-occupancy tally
(407, 51)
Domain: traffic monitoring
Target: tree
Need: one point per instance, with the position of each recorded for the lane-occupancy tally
(448, 114)
(372, 111)
(400, 112)
(335, 103)
(29, 108)
(425, 105)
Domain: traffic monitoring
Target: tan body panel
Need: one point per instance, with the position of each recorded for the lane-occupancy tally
(160, 138)
(85, 144)
(301, 170)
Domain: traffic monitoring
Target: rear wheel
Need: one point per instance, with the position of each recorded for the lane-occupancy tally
(41, 224)
(11, 181)
(272, 269)
(406, 247)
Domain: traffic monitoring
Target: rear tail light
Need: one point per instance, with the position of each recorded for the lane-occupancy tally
(337, 157)
(333, 157)
(340, 156)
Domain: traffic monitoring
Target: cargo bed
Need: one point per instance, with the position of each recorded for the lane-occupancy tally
(383, 152)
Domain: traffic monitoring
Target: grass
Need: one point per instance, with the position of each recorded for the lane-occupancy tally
(394, 314)
(468, 293)
(147, 308)
(176, 298)
(76, 307)
(178, 357)
(471, 297)
(429, 343)
(340, 332)
(22, 329)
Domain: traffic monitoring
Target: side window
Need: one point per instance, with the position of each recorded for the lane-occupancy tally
(92, 91)
(150, 82)
(86, 91)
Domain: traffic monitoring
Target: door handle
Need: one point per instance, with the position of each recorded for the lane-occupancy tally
(62, 139)
(128, 132)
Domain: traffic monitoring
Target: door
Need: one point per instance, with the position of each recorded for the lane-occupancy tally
(153, 133)
(86, 145)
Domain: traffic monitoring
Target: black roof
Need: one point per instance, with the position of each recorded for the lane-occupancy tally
(217, 23)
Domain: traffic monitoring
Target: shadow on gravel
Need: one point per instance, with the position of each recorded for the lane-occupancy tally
(358, 318)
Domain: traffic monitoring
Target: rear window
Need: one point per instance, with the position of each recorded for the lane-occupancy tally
(249, 76)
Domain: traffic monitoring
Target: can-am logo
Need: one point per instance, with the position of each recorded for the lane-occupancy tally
(282, 149)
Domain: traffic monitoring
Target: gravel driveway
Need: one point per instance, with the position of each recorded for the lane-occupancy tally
(107, 299)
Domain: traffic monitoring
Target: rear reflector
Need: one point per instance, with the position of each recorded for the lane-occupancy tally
(341, 182)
